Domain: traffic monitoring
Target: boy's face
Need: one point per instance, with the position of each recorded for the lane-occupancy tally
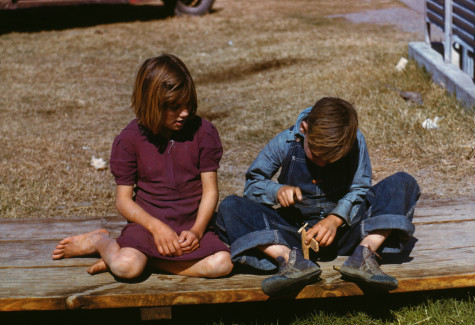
(315, 159)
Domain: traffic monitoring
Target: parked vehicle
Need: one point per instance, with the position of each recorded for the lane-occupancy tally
(180, 7)
(192, 7)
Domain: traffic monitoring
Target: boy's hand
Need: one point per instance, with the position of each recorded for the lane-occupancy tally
(189, 241)
(325, 230)
(287, 195)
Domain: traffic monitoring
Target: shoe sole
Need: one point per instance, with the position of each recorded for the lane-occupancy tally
(293, 286)
(362, 280)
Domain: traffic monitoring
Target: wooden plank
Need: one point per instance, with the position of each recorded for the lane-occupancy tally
(102, 291)
(155, 313)
(323, 289)
(442, 245)
(444, 205)
(59, 228)
(444, 211)
(344, 289)
(45, 288)
(81, 290)
(17, 254)
(55, 228)
(442, 258)
(437, 257)
(49, 282)
(447, 235)
(450, 237)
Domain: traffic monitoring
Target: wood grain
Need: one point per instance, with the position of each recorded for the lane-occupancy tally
(443, 257)
(55, 228)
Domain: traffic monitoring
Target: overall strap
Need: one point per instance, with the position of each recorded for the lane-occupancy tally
(296, 149)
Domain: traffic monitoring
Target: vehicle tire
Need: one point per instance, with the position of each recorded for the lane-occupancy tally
(193, 7)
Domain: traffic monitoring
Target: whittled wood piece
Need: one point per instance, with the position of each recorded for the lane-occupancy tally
(306, 246)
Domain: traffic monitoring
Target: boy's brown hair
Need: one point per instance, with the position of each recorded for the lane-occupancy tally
(162, 82)
(332, 126)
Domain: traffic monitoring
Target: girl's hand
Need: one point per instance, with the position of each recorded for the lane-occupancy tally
(166, 239)
(189, 241)
(325, 230)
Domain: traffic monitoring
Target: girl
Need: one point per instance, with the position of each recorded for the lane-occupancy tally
(164, 163)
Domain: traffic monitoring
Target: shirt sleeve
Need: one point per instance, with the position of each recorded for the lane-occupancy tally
(259, 184)
(211, 149)
(348, 205)
(123, 162)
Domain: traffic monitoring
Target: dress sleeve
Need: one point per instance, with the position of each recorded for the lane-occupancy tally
(211, 149)
(123, 162)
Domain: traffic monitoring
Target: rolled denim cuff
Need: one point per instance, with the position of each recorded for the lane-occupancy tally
(252, 240)
(266, 195)
(342, 210)
(402, 230)
(271, 191)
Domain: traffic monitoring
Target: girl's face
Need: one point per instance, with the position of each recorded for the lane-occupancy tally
(175, 119)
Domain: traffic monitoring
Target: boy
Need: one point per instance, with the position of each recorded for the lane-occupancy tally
(325, 181)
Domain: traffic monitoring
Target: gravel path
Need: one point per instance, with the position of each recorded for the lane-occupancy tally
(409, 18)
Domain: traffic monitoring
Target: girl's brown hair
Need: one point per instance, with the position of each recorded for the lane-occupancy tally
(332, 126)
(162, 82)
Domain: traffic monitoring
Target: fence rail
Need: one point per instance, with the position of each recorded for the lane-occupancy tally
(457, 19)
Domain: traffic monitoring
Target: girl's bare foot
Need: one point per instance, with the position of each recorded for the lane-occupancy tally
(79, 245)
(98, 267)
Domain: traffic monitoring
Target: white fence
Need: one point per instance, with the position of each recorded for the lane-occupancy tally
(457, 19)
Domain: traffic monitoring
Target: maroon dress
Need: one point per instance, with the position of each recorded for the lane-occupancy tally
(166, 175)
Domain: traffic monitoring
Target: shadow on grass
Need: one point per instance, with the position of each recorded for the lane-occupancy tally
(65, 17)
(240, 72)
(379, 307)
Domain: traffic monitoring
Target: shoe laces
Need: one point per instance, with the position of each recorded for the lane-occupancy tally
(373, 254)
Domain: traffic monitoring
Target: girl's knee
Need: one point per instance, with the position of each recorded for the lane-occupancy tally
(127, 266)
(220, 264)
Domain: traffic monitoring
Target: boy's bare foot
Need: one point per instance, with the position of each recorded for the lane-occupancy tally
(98, 267)
(79, 245)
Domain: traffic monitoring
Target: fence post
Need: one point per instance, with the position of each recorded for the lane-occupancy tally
(448, 31)
(427, 27)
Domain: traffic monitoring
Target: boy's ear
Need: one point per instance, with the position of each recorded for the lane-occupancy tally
(304, 127)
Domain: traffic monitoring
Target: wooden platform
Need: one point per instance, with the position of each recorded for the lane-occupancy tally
(443, 257)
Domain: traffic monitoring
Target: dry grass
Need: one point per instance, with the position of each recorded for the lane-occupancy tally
(66, 85)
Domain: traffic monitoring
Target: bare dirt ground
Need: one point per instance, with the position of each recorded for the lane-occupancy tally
(410, 18)
(66, 75)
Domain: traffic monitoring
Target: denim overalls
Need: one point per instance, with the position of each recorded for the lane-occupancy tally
(245, 224)
(321, 187)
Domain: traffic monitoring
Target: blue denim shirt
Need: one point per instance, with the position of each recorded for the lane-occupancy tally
(261, 187)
